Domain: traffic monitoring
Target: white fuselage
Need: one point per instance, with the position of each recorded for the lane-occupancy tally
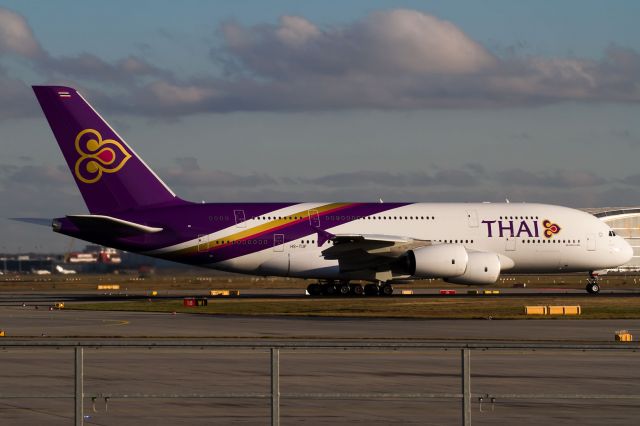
(515, 232)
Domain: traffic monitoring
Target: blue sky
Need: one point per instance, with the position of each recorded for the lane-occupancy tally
(290, 100)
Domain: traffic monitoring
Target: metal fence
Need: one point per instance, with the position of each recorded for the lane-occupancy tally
(465, 396)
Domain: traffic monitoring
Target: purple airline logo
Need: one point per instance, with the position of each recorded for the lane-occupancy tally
(98, 156)
(520, 228)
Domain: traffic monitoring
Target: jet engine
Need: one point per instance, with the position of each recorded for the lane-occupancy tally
(482, 268)
(438, 261)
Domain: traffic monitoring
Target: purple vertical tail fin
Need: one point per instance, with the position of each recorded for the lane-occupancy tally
(109, 174)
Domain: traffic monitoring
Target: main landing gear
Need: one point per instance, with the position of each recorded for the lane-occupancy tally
(592, 284)
(345, 289)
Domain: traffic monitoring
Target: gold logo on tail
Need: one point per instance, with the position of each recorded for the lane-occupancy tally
(98, 156)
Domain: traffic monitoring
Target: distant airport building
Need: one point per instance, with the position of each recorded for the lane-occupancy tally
(625, 221)
(25, 264)
(91, 259)
(95, 254)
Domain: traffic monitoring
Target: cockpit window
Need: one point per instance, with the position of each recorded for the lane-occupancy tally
(612, 234)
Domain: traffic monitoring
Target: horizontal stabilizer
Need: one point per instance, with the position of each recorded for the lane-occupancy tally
(33, 220)
(99, 224)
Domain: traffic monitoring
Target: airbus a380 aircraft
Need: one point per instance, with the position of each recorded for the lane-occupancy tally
(132, 209)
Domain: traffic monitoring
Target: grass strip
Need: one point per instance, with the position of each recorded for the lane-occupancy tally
(482, 307)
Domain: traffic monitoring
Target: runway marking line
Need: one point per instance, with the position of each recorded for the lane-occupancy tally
(115, 322)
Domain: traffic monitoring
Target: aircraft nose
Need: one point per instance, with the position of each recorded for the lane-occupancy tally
(626, 251)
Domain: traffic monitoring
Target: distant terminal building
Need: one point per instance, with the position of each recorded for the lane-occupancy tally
(92, 259)
(625, 221)
(26, 263)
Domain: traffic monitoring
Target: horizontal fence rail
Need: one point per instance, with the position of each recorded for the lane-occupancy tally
(274, 349)
(310, 344)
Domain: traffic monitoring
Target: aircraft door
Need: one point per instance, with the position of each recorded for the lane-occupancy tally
(240, 218)
(314, 219)
(510, 244)
(591, 242)
(203, 243)
(278, 242)
(472, 218)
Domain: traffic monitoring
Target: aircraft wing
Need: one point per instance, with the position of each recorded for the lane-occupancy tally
(367, 251)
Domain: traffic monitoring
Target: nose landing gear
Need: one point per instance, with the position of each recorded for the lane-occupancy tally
(592, 284)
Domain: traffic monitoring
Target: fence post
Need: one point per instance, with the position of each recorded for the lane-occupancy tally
(275, 387)
(79, 386)
(466, 387)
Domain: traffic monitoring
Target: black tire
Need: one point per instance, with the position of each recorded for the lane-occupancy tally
(593, 288)
(314, 289)
(329, 289)
(357, 289)
(370, 290)
(344, 289)
(386, 290)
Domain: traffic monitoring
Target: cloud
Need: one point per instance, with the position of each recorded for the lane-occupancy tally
(384, 43)
(633, 180)
(187, 173)
(471, 175)
(38, 176)
(14, 99)
(16, 36)
(557, 178)
(92, 68)
(395, 59)
(452, 177)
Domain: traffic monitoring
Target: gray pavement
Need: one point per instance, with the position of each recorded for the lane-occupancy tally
(29, 322)
(121, 370)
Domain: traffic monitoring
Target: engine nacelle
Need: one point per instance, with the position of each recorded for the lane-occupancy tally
(482, 268)
(438, 261)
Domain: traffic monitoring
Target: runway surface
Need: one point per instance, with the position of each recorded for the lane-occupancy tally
(29, 297)
(29, 322)
(31, 371)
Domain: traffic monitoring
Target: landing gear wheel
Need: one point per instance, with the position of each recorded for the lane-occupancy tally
(314, 289)
(370, 290)
(344, 289)
(329, 289)
(357, 290)
(593, 288)
(386, 290)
